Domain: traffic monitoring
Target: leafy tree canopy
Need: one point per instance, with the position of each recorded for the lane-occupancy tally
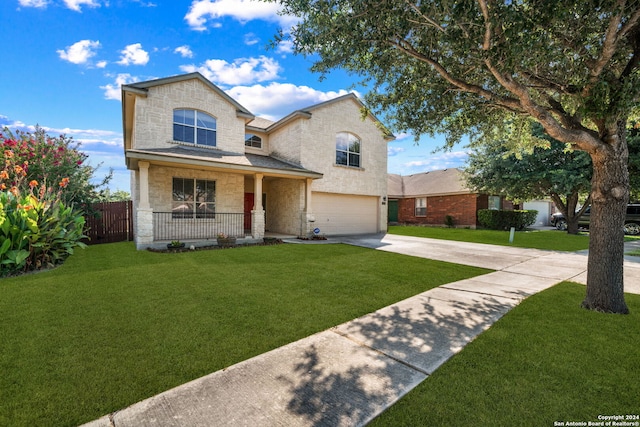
(463, 67)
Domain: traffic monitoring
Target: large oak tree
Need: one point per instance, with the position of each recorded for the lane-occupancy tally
(465, 66)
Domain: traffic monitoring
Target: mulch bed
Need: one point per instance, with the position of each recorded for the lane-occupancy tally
(267, 242)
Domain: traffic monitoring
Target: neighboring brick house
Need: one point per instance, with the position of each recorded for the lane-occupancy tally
(427, 198)
(198, 159)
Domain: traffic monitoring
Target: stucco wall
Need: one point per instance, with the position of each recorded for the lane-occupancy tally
(154, 115)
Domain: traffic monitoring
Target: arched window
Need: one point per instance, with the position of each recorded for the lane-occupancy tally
(194, 127)
(251, 140)
(347, 150)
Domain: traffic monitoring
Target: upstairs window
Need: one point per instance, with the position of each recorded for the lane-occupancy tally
(347, 150)
(194, 127)
(251, 140)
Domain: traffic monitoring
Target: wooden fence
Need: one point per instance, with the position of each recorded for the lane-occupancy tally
(112, 222)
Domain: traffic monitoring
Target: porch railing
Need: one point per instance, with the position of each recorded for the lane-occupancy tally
(181, 226)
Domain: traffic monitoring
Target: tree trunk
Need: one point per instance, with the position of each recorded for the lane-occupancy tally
(571, 217)
(572, 224)
(610, 194)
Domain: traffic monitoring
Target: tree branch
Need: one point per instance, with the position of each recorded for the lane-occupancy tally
(505, 102)
(423, 16)
(615, 32)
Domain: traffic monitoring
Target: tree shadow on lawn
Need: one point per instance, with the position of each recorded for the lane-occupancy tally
(374, 360)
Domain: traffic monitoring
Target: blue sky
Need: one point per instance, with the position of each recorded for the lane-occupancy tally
(64, 62)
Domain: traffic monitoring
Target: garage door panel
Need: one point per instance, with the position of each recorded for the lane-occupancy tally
(345, 214)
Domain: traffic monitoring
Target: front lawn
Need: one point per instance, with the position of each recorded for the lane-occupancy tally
(549, 240)
(114, 325)
(546, 361)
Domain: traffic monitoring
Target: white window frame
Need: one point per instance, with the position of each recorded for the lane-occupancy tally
(420, 206)
(348, 148)
(201, 126)
(494, 203)
(252, 140)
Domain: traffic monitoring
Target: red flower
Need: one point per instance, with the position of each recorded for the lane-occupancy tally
(64, 182)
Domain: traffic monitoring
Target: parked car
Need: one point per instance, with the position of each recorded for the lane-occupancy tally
(558, 221)
(631, 222)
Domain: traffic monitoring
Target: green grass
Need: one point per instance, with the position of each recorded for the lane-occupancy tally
(113, 325)
(550, 240)
(547, 360)
(634, 253)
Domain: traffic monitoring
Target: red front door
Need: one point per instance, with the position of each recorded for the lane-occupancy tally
(248, 207)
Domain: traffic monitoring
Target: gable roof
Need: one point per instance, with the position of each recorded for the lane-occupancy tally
(307, 112)
(142, 88)
(426, 184)
(131, 91)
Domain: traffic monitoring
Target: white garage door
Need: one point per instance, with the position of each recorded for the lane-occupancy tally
(543, 208)
(345, 214)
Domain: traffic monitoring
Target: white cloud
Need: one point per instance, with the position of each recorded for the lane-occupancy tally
(447, 160)
(34, 3)
(134, 54)
(250, 39)
(241, 71)
(79, 52)
(101, 64)
(112, 90)
(279, 99)
(184, 50)
(75, 4)
(394, 151)
(285, 46)
(242, 10)
(145, 4)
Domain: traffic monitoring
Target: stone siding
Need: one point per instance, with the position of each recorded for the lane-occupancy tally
(312, 143)
(154, 115)
(285, 203)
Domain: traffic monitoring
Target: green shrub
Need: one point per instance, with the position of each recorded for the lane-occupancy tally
(449, 221)
(36, 234)
(37, 229)
(504, 220)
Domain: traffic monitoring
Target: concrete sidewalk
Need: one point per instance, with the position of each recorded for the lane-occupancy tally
(349, 374)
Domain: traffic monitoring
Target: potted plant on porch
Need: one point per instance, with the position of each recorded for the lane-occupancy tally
(175, 244)
(225, 240)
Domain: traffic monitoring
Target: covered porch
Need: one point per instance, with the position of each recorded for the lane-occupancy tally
(194, 196)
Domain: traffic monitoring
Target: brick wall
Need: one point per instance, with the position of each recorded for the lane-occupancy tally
(462, 208)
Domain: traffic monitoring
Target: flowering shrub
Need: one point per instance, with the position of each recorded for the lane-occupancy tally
(38, 228)
(49, 160)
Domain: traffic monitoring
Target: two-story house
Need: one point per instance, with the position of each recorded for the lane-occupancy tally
(202, 164)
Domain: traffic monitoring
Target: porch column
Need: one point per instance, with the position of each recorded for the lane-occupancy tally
(144, 214)
(257, 214)
(307, 223)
